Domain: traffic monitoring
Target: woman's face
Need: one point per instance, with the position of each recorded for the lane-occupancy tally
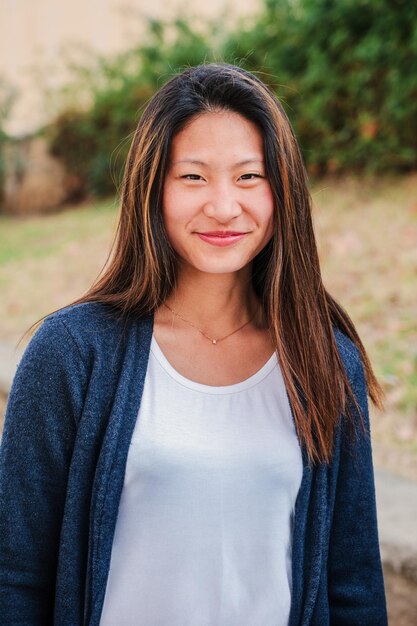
(216, 182)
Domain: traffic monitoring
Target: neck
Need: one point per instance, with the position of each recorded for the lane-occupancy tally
(214, 302)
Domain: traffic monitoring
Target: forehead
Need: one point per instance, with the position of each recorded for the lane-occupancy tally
(223, 134)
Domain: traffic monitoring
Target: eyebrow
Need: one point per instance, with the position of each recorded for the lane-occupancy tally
(196, 162)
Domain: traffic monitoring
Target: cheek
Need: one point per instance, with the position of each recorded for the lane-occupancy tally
(168, 213)
(267, 211)
(174, 214)
(266, 205)
(178, 207)
(170, 201)
(167, 199)
(269, 198)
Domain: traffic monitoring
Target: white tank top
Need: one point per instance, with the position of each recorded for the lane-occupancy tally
(204, 528)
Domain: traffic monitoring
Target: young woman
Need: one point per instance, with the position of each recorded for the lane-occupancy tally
(188, 444)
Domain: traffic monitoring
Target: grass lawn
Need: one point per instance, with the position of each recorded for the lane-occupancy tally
(47, 261)
(367, 236)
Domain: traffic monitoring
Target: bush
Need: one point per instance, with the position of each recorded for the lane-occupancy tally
(94, 142)
(344, 69)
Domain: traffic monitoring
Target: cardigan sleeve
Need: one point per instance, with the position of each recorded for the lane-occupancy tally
(355, 578)
(43, 408)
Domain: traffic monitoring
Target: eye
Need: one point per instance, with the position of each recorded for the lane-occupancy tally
(191, 176)
(251, 176)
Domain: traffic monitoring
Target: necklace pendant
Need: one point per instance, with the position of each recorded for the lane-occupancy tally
(214, 341)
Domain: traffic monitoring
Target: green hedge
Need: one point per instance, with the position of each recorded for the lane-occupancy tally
(345, 71)
(93, 143)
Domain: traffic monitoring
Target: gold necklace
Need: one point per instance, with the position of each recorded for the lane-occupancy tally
(214, 341)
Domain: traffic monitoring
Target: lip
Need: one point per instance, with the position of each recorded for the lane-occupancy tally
(222, 233)
(221, 239)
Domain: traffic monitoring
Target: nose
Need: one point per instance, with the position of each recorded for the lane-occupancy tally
(222, 203)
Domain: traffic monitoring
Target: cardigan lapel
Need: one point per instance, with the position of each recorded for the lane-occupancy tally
(310, 515)
(298, 544)
(131, 362)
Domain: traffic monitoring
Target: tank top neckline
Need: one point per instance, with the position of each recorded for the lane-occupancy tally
(212, 389)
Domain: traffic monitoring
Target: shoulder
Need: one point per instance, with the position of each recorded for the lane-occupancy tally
(88, 320)
(74, 326)
(87, 315)
(354, 367)
(349, 353)
(87, 329)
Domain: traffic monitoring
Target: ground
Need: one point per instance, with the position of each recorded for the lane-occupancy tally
(401, 600)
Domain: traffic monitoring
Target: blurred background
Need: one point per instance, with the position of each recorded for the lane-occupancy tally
(74, 78)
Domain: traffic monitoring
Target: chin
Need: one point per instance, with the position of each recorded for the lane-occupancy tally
(217, 267)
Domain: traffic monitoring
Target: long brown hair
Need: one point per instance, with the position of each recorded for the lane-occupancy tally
(141, 271)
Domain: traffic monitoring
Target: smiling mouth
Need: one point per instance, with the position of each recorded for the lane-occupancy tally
(221, 240)
(219, 233)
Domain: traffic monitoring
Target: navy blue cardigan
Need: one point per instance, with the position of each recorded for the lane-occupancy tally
(69, 420)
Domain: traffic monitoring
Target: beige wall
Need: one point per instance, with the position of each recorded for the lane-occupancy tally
(34, 34)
